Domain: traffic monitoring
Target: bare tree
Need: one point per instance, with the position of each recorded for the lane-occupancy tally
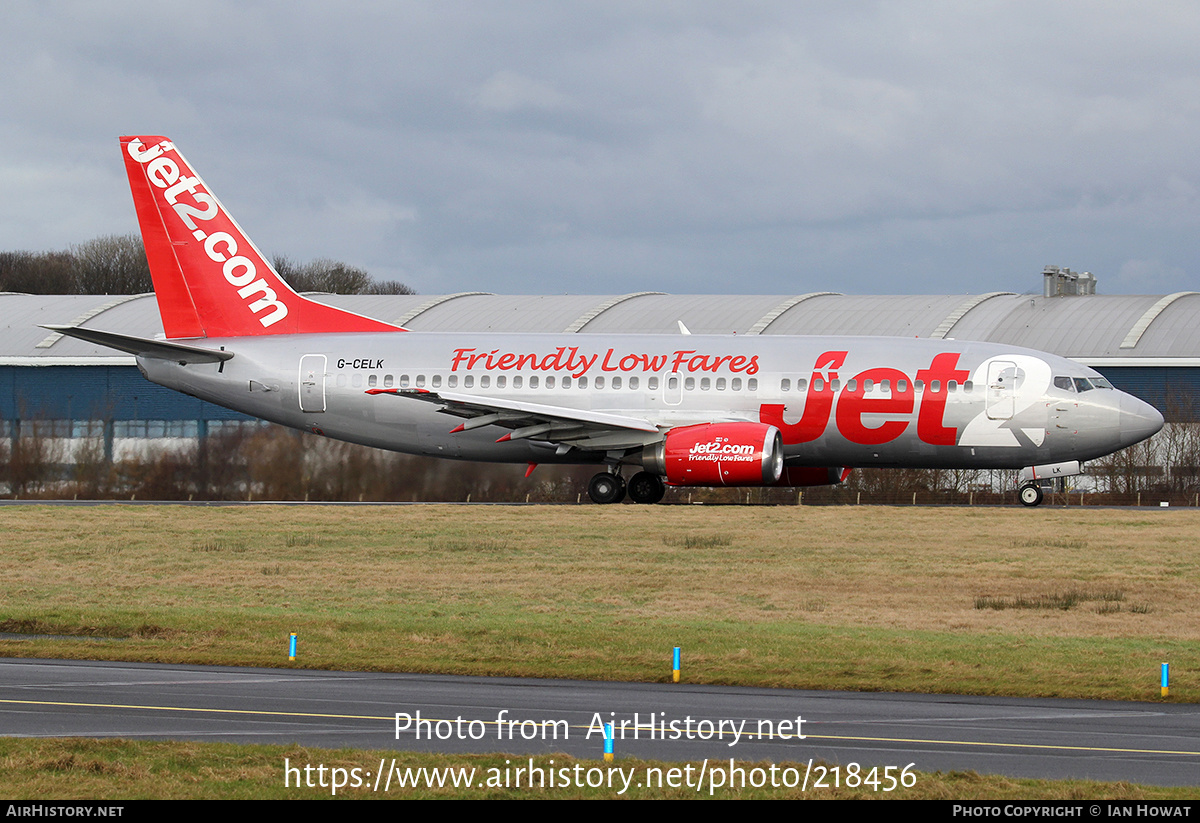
(389, 287)
(288, 269)
(1130, 470)
(1178, 444)
(116, 264)
(31, 457)
(325, 275)
(113, 264)
(41, 273)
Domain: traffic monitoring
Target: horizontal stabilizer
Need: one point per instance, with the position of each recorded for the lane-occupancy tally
(141, 347)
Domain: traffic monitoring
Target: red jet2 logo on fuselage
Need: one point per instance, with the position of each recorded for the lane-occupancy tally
(853, 402)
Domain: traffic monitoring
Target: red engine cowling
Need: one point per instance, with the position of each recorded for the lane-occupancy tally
(718, 454)
(813, 475)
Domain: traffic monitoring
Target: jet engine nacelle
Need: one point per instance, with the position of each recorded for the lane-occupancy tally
(718, 454)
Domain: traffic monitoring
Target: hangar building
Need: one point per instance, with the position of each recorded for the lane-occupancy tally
(1147, 345)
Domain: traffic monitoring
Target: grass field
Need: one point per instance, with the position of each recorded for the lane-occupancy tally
(126, 770)
(1052, 602)
(1084, 603)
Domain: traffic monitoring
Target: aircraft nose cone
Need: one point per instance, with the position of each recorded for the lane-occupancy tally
(1139, 420)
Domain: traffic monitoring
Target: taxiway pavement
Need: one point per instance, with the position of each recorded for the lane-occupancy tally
(1151, 743)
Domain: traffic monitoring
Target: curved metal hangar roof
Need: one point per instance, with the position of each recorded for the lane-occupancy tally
(1093, 329)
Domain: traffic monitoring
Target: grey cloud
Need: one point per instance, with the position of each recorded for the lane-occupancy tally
(606, 146)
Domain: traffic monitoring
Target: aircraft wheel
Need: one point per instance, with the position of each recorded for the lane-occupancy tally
(645, 487)
(1031, 494)
(606, 488)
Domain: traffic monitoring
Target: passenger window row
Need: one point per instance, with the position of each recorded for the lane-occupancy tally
(485, 381)
(883, 386)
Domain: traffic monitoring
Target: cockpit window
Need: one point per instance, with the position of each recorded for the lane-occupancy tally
(1101, 383)
(1064, 383)
(1082, 384)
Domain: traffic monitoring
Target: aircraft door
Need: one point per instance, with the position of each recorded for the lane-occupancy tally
(1061, 421)
(673, 389)
(312, 383)
(1001, 389)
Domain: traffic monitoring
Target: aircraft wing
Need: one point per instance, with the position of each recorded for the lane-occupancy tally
(578, 428)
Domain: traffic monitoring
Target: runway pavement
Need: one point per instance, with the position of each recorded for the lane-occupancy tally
(1150, 743)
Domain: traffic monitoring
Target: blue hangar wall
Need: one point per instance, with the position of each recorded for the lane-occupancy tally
(1173, 390)
(118, 393)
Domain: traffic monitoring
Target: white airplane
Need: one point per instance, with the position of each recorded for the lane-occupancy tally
(683, 410)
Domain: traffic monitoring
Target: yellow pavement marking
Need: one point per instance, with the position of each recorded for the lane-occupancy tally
(391, 718)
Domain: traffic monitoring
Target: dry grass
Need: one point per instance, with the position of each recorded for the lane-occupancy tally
(848, 597)
(118, 770)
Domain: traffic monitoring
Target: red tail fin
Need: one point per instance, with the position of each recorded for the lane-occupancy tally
(210, 279)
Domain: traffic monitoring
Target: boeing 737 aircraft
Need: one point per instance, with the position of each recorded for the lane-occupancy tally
(685, 410)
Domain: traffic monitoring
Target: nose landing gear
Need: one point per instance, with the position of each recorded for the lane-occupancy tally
(1031, 494)
(1031, 479)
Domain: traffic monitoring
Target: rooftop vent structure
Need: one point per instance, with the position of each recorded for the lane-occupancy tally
(1059, 282)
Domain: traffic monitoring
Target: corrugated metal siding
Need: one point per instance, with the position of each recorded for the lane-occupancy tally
(1173, 391)
(701, 313)
(97, 393)
(504, 313)
(1177, 329)
(893, 316)
(1073, 326)
(1070, 326)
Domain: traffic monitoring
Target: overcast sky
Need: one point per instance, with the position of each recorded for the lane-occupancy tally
(594, 148)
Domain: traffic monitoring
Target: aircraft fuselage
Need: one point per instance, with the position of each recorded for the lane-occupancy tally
(844, 401)
(694, 410)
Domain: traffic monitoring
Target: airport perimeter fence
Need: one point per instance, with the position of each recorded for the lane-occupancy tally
(834, 496)
(272, 463)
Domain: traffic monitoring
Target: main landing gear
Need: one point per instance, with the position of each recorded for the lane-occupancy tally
(1031, 494)
(606, 488)
(643, 487)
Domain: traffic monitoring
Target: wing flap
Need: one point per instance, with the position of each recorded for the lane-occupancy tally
(537, 422)
(455, 402)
